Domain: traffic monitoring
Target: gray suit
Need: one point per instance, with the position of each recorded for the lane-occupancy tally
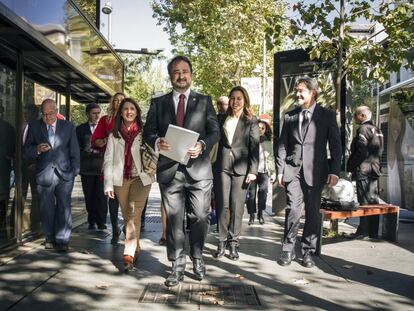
(305, 168)
(55, 173)
(184, 186)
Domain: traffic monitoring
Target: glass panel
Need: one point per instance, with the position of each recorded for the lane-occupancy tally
(31, 212)
(60, 22)
(7, 153)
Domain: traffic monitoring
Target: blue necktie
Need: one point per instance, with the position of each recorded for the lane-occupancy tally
(51, 134)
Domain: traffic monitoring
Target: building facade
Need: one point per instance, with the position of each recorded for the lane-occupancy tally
(44, 45)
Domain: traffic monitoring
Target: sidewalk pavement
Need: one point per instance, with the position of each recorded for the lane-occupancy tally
(350, 275)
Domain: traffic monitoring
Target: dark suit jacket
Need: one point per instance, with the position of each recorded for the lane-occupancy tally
(200, 117)
(63, 157)
(90, 163)
(241, 157)
(366, 149)
(311, 152)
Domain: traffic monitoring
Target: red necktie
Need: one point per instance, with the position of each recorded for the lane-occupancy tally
(180, 111)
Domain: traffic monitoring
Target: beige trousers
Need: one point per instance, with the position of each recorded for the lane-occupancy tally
(132, 196)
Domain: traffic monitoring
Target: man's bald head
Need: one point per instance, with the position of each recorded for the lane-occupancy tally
(49, 111)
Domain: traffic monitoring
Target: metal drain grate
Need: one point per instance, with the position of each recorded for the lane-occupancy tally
(201, 294)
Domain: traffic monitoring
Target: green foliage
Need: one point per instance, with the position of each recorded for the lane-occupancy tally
(313, 29)
(89, 8)
(144, 78)
(77, 114)
(222, 38)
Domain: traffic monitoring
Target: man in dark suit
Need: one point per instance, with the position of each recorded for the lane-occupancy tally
(180, 183)
(303, 167)
(365, 165)
(91, 170)
(52, 142)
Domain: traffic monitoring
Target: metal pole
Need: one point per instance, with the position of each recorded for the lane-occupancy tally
(262, 110)
(109, 28)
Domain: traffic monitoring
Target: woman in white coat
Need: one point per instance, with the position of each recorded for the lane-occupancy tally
(124, 175)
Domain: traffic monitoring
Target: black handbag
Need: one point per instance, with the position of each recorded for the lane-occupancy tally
(339, 205)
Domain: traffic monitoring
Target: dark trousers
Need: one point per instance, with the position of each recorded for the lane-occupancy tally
(113, 206)
(262, 182)
(55, 210)
(231, 196)
(95, 200)
(174, 196)
(367, 193)
(297, 192)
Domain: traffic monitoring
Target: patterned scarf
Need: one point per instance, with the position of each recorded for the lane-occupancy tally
(128, 135)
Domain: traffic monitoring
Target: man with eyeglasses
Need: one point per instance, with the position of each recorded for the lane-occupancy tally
(53, 144)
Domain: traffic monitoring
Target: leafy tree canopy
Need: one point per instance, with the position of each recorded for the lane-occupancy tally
(223, 38)
(318, 27)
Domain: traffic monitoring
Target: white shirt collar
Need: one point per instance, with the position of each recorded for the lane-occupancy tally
(176, 95)
(311, 109)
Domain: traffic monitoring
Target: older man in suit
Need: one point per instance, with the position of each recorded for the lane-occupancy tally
(303, 167)
(180, 183)
(53, 143)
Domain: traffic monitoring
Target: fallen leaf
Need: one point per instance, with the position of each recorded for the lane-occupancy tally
(239, 276)
(85, 251)
(347, 266)
(301, 281)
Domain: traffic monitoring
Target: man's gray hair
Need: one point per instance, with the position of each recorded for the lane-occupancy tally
(223, 99)
(364, 110)
(311, 84)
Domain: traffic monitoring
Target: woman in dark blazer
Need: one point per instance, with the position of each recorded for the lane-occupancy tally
(236, 166)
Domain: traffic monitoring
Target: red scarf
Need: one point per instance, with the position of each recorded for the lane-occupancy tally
(128, 135)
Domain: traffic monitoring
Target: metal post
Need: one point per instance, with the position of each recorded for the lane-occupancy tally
(264, 84)
(109, 29)
(67, 102)
(19, 206)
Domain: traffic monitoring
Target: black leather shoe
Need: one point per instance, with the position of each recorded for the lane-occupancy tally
(234, 254)
(251, 220)
(174, 278)
(286, 258)
(91, 227)
(62, 248)
(307, 261)
(221, 249)
(102, 227)
(199, 268)
(261, 220)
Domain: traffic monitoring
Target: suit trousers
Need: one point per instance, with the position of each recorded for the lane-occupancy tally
(55, 209)
(298, 192)
(132, 196)
(181, 194)
(367, 193)
(113, 206)
(262, 182)
(231, 196)
(95, 199)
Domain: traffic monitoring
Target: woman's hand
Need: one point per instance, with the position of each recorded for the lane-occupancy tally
(100, 143)
(250, 177)
(110, 194)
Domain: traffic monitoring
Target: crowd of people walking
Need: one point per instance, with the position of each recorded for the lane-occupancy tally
(233, 158)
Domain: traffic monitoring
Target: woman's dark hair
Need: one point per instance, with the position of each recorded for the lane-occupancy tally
(118, 116)
(179, 58)
(268, 130)
(246, 109)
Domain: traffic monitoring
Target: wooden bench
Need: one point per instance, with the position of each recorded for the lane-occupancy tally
(389, 224)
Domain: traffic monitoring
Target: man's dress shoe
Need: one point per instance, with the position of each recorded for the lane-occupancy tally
(307, 261)
(221, 249)
(176, 275)
(63, 248)
(261, 220)
(251, 219)
(199, 268)
(49, 245)
(102, 227)
(234, 254)
(286, 258)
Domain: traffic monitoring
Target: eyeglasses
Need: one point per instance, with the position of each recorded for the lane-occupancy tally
(48, 114)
